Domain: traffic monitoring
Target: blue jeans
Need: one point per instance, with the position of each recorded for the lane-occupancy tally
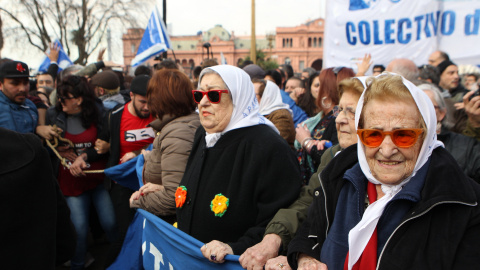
(79, 214)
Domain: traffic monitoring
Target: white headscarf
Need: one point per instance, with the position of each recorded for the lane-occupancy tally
(272, 100)
(245, 105)
(359, 236)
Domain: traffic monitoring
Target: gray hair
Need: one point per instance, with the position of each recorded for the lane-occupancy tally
(436, 95)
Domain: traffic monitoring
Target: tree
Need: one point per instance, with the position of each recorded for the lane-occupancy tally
(81, 23)
(265, 64)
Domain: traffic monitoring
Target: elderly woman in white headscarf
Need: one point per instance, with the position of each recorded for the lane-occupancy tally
(240, 171)
(398, 200)
(272, 107)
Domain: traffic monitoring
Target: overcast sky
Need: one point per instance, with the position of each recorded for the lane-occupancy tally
(187, 17)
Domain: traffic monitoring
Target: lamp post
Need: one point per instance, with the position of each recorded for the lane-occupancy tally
(253, 47)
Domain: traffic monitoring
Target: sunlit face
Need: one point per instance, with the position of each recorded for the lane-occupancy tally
(346, 130)
(16, 89)
(449, 79)
(214, 117)
(70, 104)
(45, 80)
(291, 85)
(140, 105)
(388, 163)
(315, 87)
(435, 58)
(257, 87)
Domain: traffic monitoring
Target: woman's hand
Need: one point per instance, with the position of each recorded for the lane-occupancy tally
(102, 146)
(67, 152)
(135, 196)
(47, 132)
(320, 144)
(306, 262)
(255, 257)
(302, 133)
(76, 169)
(127, 157)
(215, 251)
(279, 262)
(150, 188)
(363, 66)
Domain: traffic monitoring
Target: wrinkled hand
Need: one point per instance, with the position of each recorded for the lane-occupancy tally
(215, 251)
(302, 133)
(76, 169)
(102, 146)
(150, 188)
(472, 109)
(279, 262)
(101, 52)
(47, 132)
(53, 53)
(363, 66)
(254, 258)
(306, 262)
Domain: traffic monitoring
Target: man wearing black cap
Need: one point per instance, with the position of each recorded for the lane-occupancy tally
(126, 130)
(17, 113)
(450, 81)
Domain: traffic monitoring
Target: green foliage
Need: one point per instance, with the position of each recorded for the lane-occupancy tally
(261, 62)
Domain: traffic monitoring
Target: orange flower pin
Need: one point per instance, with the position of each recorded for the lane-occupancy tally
(180, 196)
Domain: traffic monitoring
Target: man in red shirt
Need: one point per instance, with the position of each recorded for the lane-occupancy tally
(126, 133)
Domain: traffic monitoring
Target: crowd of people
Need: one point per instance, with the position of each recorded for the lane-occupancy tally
(328, 169)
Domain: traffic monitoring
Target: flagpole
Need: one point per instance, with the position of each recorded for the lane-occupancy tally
(253, 47)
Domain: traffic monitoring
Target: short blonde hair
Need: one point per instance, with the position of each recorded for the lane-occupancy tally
(350, 85)
(388, 87)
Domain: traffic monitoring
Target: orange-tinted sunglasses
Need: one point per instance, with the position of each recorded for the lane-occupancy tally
(402, 138)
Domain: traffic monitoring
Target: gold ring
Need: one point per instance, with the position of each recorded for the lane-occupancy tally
(281, 265)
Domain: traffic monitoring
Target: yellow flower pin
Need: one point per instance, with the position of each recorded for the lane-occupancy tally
(219, 205)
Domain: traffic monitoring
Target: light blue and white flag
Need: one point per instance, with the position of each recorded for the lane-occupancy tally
(155, 40)
(63, 60)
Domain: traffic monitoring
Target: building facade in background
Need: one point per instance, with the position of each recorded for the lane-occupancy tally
(300, 46)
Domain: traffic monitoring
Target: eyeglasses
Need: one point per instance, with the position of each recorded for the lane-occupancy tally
(62, 98)
(402, 138)
(212, 95)
(349, 112)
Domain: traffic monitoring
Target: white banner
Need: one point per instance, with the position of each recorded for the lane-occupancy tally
(389, 29)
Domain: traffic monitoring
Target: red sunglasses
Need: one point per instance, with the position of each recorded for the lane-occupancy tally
(402, 138)
(212, 95)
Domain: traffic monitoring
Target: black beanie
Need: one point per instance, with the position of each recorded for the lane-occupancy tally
(443, 65)
(139, 84)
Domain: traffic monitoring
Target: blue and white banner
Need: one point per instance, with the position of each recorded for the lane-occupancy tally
(63, 60)
(389, 29)
(155, 40)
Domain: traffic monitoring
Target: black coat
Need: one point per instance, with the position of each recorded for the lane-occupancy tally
(35, 228)
(441, 231)
(254, 168)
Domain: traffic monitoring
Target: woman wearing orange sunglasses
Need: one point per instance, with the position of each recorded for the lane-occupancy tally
(398, 200)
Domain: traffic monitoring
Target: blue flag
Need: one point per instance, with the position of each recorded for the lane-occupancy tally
(155, 40)
(63, 60)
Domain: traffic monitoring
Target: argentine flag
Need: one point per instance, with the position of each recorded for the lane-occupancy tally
(63, 60)
(155, 39)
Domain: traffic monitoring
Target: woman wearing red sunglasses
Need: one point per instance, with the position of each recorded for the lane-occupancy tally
(398, 200)
(240, 171)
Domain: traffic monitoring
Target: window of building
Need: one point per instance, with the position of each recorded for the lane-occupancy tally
(319, 42)
(192, 46)
(179, 46)
(301, 66)
(287, 61)
(134, 50)
(309, 42)
(314, 42)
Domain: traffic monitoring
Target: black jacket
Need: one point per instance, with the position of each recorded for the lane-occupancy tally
(465, 150)
(35, 228)
(441, 231)
(254, 168)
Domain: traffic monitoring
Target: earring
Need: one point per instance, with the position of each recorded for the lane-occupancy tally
(326, 105)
